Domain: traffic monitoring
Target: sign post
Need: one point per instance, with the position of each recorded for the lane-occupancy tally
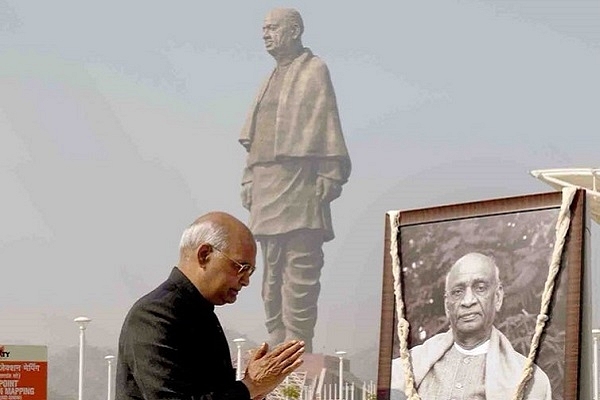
(23, 372)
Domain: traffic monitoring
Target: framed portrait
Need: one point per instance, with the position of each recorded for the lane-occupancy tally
(517, 236)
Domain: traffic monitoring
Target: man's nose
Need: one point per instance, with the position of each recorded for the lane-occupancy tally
(469, 298)
(245, 279)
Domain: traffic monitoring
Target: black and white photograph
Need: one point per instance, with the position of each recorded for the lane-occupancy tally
(472, 290)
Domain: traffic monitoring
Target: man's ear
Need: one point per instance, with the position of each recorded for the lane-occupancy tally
(499, 297)
(296, 32)
(203, 253)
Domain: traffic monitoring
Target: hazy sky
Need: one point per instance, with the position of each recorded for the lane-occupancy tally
(119, 124)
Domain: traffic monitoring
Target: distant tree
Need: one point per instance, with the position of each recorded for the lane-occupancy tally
(291, 392)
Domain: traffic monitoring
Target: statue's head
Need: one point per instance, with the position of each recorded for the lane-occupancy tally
(282, 31)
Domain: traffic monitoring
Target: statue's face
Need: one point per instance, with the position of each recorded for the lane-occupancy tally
(277, 33)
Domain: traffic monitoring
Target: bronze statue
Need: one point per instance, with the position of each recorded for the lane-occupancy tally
(296, 165)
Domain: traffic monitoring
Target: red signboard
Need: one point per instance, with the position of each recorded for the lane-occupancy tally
(23, 372)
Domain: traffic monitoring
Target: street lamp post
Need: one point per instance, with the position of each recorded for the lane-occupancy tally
(596, 338)
(238, 370)
(82, 322)
(341, 373)
(109, 359)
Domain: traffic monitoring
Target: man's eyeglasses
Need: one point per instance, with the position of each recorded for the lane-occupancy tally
(243, 267)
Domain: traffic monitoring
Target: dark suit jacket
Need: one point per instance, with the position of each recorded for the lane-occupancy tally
(172, 347)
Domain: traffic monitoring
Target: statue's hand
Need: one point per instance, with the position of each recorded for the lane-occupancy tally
(328, 189)
(247, 195)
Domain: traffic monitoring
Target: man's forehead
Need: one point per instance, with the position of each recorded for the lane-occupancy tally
(241, 240)
(472, 269)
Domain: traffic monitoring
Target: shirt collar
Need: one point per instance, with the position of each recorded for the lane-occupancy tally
(481, 349)
(181, 281)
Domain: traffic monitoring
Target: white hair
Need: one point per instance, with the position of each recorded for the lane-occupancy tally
(480, 257)
(203, 232)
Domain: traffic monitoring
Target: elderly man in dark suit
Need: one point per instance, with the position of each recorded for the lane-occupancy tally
(172, 345)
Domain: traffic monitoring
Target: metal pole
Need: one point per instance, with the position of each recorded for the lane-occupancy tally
(82, 322)
(341, 373)
(596, 337)
(238, 369)
(109, 388)
(81, 355)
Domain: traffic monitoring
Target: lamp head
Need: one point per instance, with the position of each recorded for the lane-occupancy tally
(82, 321)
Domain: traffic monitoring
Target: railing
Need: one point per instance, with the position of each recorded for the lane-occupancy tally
(350, 392)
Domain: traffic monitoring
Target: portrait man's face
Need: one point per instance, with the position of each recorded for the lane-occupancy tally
(473, 296)
(278, 34)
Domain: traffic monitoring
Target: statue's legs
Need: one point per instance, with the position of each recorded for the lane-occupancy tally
(291, 286)
(273, 261)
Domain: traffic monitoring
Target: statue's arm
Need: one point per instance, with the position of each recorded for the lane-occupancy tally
(246, 193)
(329, 180)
